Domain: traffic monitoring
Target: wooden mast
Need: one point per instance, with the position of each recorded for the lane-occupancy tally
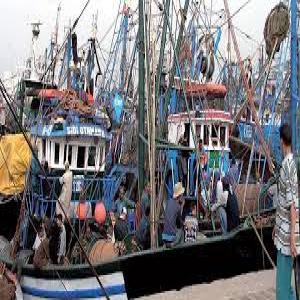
(141, 104)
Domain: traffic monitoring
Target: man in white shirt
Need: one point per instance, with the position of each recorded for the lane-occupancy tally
(66, 193)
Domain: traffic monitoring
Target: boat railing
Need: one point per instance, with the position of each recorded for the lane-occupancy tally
(41, 200)
(92, 190)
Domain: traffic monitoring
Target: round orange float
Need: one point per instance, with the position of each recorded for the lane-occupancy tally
(82, 210)
(100, 213)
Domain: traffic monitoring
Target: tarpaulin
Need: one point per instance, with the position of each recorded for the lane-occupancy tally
(15, 161)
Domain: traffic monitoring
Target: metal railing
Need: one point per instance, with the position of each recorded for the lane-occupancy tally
(43, 198)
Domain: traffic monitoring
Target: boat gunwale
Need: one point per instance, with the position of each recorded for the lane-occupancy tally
(115, 265)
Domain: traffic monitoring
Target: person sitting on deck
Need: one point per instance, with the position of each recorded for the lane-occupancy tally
(47, 251)
(40, 236)
(191, 225)
(41, 256)
(220, 205)
(121, 202)
(173, 216)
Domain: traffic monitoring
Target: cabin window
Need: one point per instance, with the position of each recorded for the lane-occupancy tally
(80, 157)
(44, 149)
(65, 154)
(222, 136)
(48, 151)
(91, 156)
(101, 158)
(206, 135)
(187, 128)
(198, 131)
(56, 153)
(70, 152)
(214, 135)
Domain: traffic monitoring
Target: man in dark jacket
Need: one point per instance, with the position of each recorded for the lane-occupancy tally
(121, 227)
(173, 225)
(232, 207)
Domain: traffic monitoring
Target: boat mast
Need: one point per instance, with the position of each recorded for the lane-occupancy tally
(172, 73)
(141, 104)
(124, 50)
(161, 54)
(294, 82)
(55, 42)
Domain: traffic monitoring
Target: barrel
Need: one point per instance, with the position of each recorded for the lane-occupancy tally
(102, 251)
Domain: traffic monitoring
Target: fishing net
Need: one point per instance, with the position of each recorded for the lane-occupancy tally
(276, 28)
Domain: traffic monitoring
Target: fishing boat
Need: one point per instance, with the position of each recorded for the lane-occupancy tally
(86, 123)
(211, 125)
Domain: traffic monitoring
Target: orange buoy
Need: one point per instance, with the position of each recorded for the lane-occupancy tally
(82, 210)
(100, 213)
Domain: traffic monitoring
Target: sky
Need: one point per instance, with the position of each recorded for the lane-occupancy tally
(16, 16)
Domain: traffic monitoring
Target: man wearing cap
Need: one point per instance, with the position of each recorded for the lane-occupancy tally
(173, 222)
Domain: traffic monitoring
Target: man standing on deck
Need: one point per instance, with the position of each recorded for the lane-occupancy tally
(121, 202)
(66, 193)
(286, 231)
